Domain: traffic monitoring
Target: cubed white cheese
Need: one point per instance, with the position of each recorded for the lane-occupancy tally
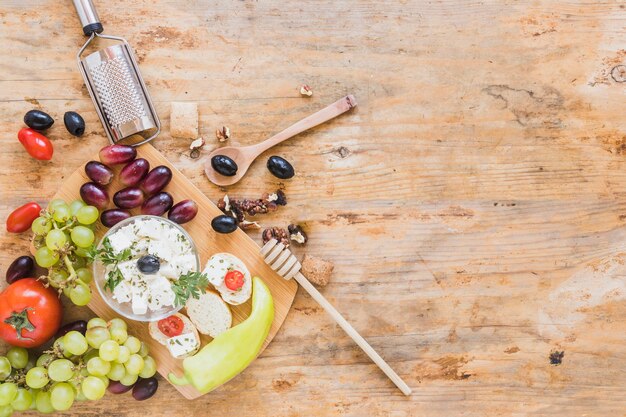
(139, 298)
(151, 228)
(129, 269)
(185, 263)
(168, 270)
(182, 345)
(161, 249)
(160, 290)
(216, 269)
(122, 292)
(121, 239)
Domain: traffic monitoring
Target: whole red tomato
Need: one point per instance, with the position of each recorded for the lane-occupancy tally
(36, 144)
(23, 217)
(30, 314)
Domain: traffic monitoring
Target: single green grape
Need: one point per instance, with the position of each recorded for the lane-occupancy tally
(23, 399)
(82, 236)
(18, 357)
(5, 368)
(87, 215)
(37, 377)
(45, 257)
(56, 202)
(62, 396)
(57, 277)
(6, 411)
(78, 262)
(104, 380)
(41, 226)
(98, 366)
(61, 347)
(84, 274)
(133, 344)
(61, 213)
(109, 350)
(119, 335)
(43, 360)
(96, 322)
(134, 364)
(75, 206)
(93, 388)
(123, 355)
(8, 392)
(82, 252)
(143, 350)
(60, 370)
(75, 343)
(117, 323)
(55, 239)
(42, 401)
(96, 336)
(80, 294)
(129, 379)
(117, 371)
(149, 367)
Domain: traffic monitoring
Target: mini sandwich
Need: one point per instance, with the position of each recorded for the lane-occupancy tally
(230, 276)
(178, 334)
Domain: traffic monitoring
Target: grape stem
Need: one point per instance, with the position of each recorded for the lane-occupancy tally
(66, 259)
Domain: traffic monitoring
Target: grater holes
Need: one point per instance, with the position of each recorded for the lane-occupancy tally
(118, 91)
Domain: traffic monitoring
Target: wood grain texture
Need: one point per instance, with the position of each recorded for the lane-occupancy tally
(207, 244)
(473, 203)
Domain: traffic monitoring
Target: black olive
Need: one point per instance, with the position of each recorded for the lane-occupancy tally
(224, 224)
(38, 120)
(280, 168)
(148, 264)
(74, 123)
(224, 165)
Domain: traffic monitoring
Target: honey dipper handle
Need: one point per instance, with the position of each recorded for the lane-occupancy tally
(304, 283)
(331, 111)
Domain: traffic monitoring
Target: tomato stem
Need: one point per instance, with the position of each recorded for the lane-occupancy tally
(19, 321)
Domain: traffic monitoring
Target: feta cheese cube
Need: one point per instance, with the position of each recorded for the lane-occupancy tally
(151, 228)
(120, 240)
(161, 249)
(161, 294)
(139, 298)
(122, 292)
(129, 269)
(183, 344)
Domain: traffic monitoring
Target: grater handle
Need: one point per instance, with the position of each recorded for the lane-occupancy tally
(88, 17)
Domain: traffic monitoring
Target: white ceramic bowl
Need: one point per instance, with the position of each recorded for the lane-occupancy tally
(125, 309)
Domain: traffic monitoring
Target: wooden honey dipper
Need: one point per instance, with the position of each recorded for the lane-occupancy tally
(281, 260)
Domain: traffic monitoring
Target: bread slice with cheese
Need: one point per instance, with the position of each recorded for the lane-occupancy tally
(210, 313)
(188, 329)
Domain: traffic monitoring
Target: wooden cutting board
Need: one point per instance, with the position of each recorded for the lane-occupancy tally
(207, 242)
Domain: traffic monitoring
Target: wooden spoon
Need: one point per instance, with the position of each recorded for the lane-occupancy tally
(243, 156)
(281, 260)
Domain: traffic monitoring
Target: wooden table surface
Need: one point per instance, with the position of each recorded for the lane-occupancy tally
(474, 204)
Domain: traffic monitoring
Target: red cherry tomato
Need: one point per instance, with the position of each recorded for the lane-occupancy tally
(233, 280)
(36, 144)
(22, 217)
(171, 326)
(30, 314)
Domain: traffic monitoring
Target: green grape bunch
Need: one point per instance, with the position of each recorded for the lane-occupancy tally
(76, 368)
(64, 239)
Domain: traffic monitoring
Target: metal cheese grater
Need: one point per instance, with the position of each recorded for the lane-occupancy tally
(114, 83)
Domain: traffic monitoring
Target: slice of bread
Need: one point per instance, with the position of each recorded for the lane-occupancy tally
(210, 314)
(157, 335)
